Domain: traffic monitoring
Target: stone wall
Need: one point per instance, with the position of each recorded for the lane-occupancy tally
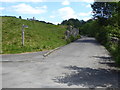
(71, 32)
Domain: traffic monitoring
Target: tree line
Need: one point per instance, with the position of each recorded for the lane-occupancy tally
(105, 26)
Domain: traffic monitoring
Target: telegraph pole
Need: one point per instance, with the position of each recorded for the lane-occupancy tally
(23, 26)
(23, 35)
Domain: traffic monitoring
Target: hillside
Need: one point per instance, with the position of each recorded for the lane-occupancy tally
(38, 36)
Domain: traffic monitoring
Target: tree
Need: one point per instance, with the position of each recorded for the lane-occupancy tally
(73, 22)
(103, 9)
(20, 17)
(64, 22)
(106, 27)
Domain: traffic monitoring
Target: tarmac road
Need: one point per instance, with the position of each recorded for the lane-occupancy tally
(81, 64)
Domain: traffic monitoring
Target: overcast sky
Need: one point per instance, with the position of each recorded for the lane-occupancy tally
(54, 11)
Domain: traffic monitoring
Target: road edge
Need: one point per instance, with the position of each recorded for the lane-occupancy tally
(49, 52)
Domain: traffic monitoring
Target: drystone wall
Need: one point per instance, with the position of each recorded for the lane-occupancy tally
(74, 32)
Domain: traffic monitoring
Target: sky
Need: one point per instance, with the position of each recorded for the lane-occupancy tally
(54, 11)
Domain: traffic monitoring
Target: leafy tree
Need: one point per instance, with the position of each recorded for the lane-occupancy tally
(64, 22)
(106, 26)
(73, 22)
(20, 17)
(103, 9)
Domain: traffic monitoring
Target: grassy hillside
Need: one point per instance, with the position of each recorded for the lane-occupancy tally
(38, 37)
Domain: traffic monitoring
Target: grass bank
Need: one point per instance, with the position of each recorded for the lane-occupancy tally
(38, 36)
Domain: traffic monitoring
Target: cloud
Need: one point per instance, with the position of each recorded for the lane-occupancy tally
(66, 2)
(66, 13)
(86, 18)
(88, 6)
(22, 0)
(27, 9)
(87, 1)
(56, 23)
(2, 8)
(52, 16)
(44, 7)
(85, 14)
(46, 20)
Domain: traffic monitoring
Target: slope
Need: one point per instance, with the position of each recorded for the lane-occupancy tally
(38, 36)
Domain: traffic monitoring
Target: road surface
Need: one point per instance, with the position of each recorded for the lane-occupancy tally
(81, 64)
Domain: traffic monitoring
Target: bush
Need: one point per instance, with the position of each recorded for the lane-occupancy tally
(72, 38)
(104, 33)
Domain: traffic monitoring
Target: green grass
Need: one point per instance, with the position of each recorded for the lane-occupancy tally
(38, 36)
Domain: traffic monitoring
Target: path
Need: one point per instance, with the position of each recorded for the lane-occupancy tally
(83, 63)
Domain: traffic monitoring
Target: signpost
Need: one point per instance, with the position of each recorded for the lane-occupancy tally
(23, 26)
